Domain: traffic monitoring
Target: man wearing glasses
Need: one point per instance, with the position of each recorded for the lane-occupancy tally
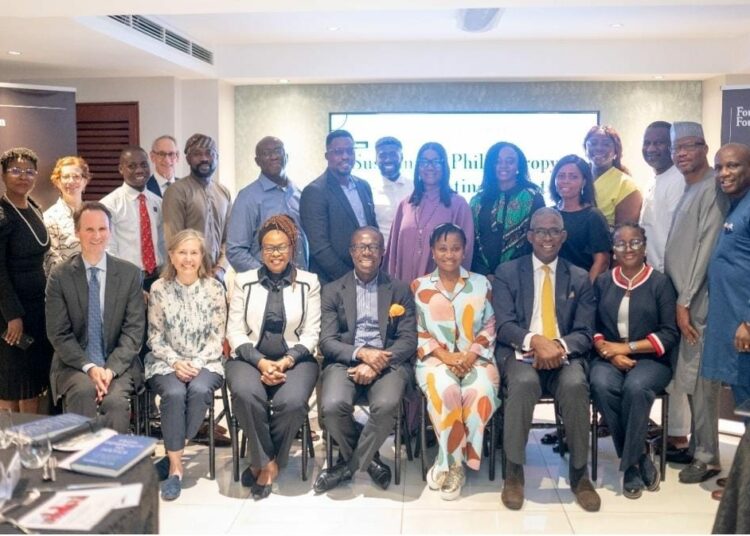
(164, 155)
(545, 314)
(696, 225)
(368, 338)
(199, 202)
(333, 206)
(272, 193)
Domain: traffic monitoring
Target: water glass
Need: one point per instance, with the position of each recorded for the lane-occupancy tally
(33, 454)
(6, 421)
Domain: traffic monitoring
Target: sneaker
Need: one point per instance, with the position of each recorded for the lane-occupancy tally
(454, 481)
(435, 478)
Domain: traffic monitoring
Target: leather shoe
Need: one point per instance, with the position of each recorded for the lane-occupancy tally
(260, 492)
(649, 473)
(682, 456)
(721, 482)
(586, 495)
(717, 494)
(632, 483)
(330, 478)
(247, 478)
(697, 472)
(380, 473)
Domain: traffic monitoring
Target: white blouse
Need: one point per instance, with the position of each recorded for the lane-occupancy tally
(63, 240)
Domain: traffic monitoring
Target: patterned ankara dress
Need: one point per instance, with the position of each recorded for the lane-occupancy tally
(462, 320)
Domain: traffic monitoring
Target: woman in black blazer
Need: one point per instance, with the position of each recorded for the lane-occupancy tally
(636, 329)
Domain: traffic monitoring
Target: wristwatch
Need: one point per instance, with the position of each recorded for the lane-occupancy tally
(632, 346)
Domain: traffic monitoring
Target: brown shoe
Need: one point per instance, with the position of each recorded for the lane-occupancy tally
(512, 495)
(717, 494)
(587, 496)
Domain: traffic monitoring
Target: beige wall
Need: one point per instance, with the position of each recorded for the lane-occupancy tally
(299, 114)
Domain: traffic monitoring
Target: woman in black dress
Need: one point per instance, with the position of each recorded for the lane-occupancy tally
(572, 189)
(24, 370)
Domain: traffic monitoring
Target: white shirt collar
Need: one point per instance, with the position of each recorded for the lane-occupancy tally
(102, 264)
(162, 180)
(537, 264)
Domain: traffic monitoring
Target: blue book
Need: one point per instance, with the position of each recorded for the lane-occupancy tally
(114, 456)
(53, 428)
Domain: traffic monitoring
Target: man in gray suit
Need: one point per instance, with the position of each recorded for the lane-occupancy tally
(95, 322)
(368, 338)
(545, 312)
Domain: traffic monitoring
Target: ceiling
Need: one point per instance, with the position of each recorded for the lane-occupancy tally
(406, 40)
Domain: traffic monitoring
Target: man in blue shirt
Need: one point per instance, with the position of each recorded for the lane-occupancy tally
(273, 193)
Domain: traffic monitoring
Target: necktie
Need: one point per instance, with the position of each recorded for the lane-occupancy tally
(549, 322)
(95, 346)
(148, 257)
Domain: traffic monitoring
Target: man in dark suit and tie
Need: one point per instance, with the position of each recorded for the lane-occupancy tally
(95, 322)
(333, 206)
(545, 313)
(164, 155)
(368, 339)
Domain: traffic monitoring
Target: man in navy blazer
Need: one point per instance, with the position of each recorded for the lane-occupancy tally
(368, 338)
(333, 206)
(164, 155)
(544, 353)
(94, 366)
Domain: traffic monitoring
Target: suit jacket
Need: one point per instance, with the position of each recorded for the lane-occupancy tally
(513, 301)
(247, 310)
(152, 185)
(329, 221)
(339, 320)
(124, 315)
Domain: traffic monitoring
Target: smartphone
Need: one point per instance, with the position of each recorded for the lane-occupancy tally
(24, 343)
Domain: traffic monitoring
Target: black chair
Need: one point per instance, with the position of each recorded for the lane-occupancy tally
(239, 445)
(490, 447)
(664, 397)
(401, 437)
(212, 418)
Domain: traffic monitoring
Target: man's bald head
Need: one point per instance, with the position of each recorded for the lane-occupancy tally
(271, 158)
(732, 165)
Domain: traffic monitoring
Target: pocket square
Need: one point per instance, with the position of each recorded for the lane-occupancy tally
(572, 295)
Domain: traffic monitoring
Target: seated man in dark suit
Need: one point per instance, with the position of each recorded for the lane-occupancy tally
(545, 311)
(332, 207)
(368, 339)
(95, 322)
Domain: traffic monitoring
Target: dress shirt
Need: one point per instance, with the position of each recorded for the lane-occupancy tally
(386, 196)
(535, 327)
(163, 182)
(659, 205)
(352, 194)
(255, 203)
(367, 330)
(125, 241)
(102, 275)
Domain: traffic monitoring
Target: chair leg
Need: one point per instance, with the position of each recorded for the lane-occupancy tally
(235, 448)
(423, 438)
(397, 446)
(493, 445)
(310, 445)
(211, 442)
(405, 433)
(305, 440)
(329, 450)
(561, 441)
(594, 443)
(243, 444)
(664, 433)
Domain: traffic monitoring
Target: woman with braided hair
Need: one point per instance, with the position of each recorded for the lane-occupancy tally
(273, 329)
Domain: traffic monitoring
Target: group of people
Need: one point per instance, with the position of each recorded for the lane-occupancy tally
(484, 304)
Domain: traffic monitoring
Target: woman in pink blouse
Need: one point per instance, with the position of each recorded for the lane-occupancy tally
(432, 202)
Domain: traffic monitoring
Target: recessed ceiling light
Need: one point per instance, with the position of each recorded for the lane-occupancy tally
(616, 25)
(658, 77)
(334, 28)
(14, 53)
(283, 81)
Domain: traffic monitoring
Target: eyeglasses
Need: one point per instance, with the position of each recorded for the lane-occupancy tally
(344, 151)
(687, 147)
(634, 244)
(72, 177)
(163, 154)
(17, 172)
(361, 248)
(270, 250)
(268, 153)
(552, 232)
(426, 162)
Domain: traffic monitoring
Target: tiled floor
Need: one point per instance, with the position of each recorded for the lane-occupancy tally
(224, 506)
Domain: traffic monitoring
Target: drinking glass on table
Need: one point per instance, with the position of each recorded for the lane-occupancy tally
(6, 421)
(33, 454)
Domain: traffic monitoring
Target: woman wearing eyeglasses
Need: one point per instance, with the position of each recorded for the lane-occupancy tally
(70, 176)
(25, 353)
(432, 202)
(502, 208)
(617, 195)
(456, 358)
(636, 329)
(273, 329)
